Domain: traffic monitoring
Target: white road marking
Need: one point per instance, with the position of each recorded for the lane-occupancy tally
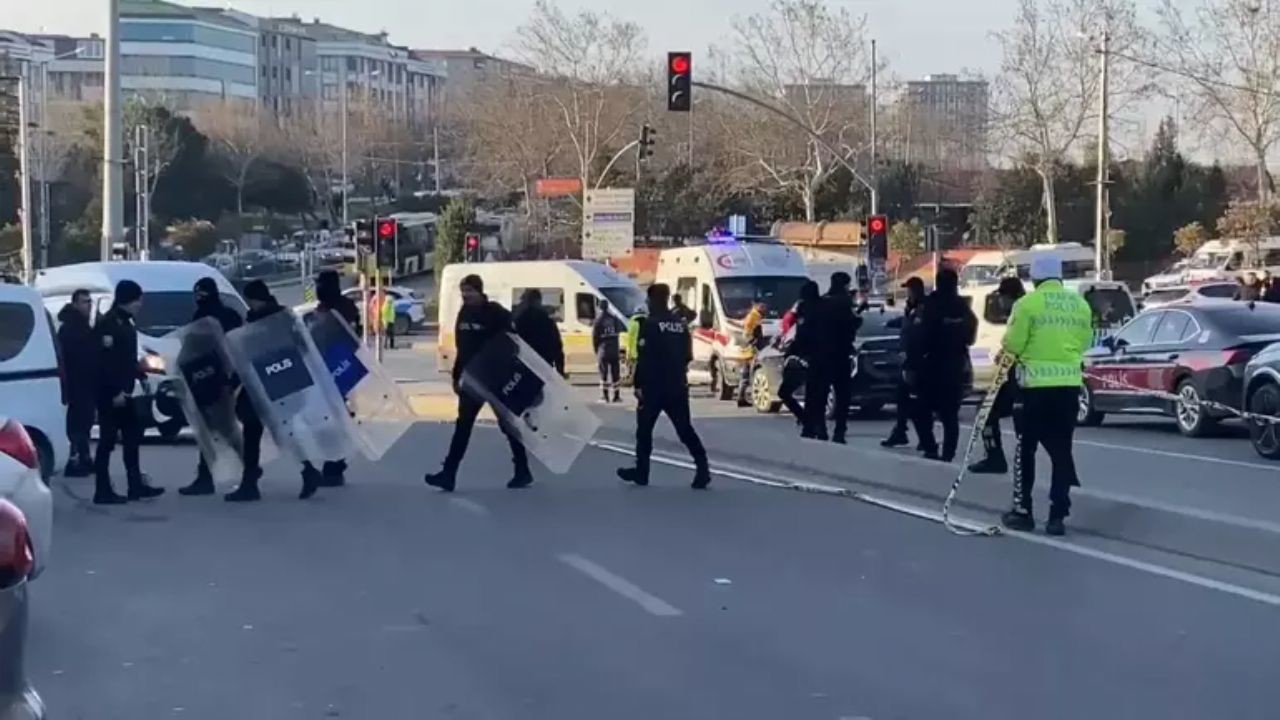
(470, 506)
(653, 605)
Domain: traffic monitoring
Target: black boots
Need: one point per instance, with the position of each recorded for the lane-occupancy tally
(897, 438)
(446, 479)
(1019, 520)
(248, 490)
(990, 465)
(312, 479)
(523, 479)
(333, 474)
(701, 478)
(139, 489)
(106, 495)
(633, 476)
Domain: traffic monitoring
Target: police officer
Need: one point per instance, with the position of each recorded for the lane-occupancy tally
(329, 298)
(116, 338)
(942, 333)
(1048, 333)
(604, 341)
(831, 361)
(209, 304)
(905, 402)
(798, 347)
(666, 349)
(682, 311)
(994, 462)
(479, 319)
(536, 327)
(632, 341)
(75, 338)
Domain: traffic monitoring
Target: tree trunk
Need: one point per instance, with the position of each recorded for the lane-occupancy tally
(1264, 178)
(809, 202)
(1050, 207)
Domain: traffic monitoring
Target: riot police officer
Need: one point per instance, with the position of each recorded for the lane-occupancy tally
(116, 339)
(939, 360)
(906, 401)
(661, 386)
(209, 304)
(831, 361)
(329, 298)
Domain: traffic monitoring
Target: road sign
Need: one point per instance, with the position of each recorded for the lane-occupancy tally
(557, 186)
(608, 223)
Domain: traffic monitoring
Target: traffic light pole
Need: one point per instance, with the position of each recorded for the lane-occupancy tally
(24, 173)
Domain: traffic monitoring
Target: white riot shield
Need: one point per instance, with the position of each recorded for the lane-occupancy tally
(532, 400)
(291, 388)
(380, 410)
(201, 372)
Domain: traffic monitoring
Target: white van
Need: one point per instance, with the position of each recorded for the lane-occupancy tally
(31, 374)
(719, 281)
(570, 289)
(1219, 260)
(167, 305)
(1111, 301)
(1078, 262)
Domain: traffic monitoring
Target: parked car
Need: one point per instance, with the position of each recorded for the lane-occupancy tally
(1262, 396)
(411, 307)
(31, 374)
(252, 264)
(1195, 350)
(877, 365)
(18, 700)
(1178, 293)
(22, 485)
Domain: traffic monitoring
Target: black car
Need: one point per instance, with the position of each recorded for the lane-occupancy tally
(877, 365)
(1195, 350)
(1262, 396)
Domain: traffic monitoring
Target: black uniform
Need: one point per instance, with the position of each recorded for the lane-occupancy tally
(798, 352)
(475, 326)
(666, 349)
(831, 364)
(78, 351)
(685, 313)
(211, 306)
(116, 339)
(938, 357)
(253, 428)
(330, 298)
(1007, 397)
(906, 400)
(540, 331)
(605, 333)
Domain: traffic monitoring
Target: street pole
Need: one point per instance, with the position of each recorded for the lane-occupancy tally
(435, 152)
(44, 165)
(343, 111)
(142, 194)
(875, 171)
(24, 174)
(112, 137)
(1100, 225)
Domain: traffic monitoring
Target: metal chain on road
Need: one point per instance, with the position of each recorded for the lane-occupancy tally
(985, 408)
(1176, 398)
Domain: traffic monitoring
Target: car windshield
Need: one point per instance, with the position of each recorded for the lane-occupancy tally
(164, 312)
(1111, 306)
(626, 298)
(1239, 319)
(777, 294)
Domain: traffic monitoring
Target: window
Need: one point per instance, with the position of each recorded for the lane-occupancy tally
(275, 41)
(275, 73)
(1240, 319)
(264, 71)
(288, 44)
(1111, 306)
(1140, 330)
(264, 41)
(585, 304)
(351, 64)
(164, 312)
(626, 298)
(687, 290)
(17, 324)
(329, 63)
(552, 301)
(1218, 290)
(288, 75)
(997, 309)
(706, 308)
(1173, 329)
(330, 91)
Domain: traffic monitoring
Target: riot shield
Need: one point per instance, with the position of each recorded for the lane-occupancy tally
(291, 388)
(530, 399)
(201, 373)
(380, 410)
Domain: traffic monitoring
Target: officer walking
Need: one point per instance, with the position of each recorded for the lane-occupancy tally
(994, 461)
(537, 328)
(831, 362)
(116, 339)
(662, 386)
(905, 403)
(1048, 334)
(938, 362)
(798, 349)
(479, 320)
(329, 298)
(604, 341)
(209, 304)
(75, 338)
(632, 341)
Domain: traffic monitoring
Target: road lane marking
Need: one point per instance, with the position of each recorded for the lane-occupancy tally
(470, 506)
(652, 604)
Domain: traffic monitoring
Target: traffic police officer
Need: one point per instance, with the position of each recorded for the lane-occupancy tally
(661, 384)
(1048, 333)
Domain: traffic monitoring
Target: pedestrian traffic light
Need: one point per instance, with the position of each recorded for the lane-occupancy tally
(473, 248)
(364, 236)
(878, 237)
(647, 135)
(679, 81)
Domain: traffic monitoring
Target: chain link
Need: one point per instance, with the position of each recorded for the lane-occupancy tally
(1178, 399)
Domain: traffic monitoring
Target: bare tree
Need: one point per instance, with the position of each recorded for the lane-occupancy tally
(1250, 222)
(1046, 94)
(1225, 59)
(242, 137)
(163, 140)
(813, 63)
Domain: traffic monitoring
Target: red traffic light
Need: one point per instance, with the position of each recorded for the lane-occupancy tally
(386, 229)
(473, 241)
(680, 64)
(877, 224)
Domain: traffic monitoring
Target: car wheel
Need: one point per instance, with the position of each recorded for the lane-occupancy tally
(1192, 419)
(169, 431)
(1265, 400)
(402, 325)
(762, 393)
(1086, 416)
(720, 381)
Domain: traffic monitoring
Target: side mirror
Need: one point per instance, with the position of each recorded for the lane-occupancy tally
(705, 320)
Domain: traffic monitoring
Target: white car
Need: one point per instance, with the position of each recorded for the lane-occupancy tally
(1210, 290)
(31, 374)
(411, 308)
(22, 485)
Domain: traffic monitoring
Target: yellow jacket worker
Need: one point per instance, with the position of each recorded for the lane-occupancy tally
(1049, 331)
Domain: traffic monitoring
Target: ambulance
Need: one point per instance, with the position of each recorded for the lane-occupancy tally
(720, 279)
(571, 292)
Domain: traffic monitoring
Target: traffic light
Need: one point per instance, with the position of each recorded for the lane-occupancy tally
(647, 135)
(364, 236)
(388, 232)
(878, 238)
(473, 248)
(679, 81)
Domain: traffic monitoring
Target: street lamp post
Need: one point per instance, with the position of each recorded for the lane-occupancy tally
(1101, 254)
(112, 137)
(43, 151)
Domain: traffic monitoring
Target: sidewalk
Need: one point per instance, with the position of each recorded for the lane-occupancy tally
(430, 392)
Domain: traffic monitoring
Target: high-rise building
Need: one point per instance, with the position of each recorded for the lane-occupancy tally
(182, 56)
(943, 122)
(288, 66)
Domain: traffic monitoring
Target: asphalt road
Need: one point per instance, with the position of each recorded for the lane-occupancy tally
(581, 598)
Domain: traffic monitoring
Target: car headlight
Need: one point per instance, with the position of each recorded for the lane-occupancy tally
(153, 363)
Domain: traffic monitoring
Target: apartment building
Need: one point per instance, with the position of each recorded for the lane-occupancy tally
(468, 69)
(943, 122)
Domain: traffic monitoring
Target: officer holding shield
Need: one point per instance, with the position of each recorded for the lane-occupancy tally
(479, 320)
(209, 304)
(330, 299)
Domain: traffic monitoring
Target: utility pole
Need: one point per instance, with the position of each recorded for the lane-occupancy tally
(45, 132)
(1101, 255)
(343, 111)
(435, 153)
(875, 161)
(112, 137)
(24, 174)
(142, 183)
